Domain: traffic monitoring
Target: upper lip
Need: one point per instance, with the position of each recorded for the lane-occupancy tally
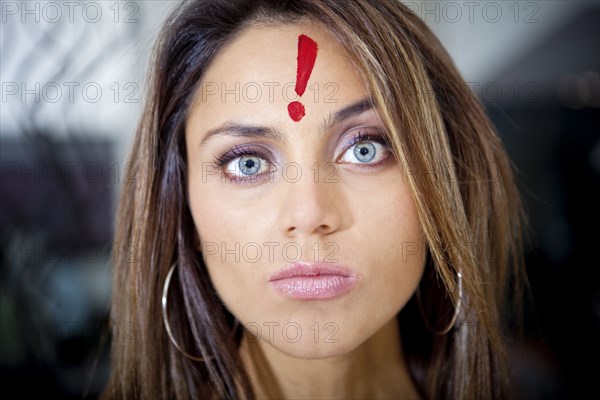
(311, 269)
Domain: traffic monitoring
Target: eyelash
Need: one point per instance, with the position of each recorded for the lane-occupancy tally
(240, 151)
(362, 137)
(251, 150)
(235, 152)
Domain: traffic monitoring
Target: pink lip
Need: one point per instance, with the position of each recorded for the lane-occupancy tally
(308, 281)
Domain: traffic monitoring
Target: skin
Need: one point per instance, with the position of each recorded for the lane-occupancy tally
(361, 216)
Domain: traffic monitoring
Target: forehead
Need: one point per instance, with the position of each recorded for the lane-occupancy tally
(256, 73)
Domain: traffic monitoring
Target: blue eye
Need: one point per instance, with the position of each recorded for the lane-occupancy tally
(246, 166)
(365, 152)
(249, 165)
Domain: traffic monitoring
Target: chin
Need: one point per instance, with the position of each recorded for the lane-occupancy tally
(311, 336)
(308, 349)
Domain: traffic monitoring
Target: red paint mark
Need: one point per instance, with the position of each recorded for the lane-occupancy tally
(307, 55)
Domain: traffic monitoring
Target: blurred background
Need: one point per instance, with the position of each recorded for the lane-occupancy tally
(73, 82)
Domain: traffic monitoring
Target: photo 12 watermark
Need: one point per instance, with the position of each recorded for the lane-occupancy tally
(270, 252)
(55, 252)
(53, 12)
(492, 12)
(292, 332)
(69, 92)
(253, 92)
(68, 172)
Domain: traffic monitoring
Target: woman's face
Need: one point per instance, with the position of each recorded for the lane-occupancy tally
(321, 198)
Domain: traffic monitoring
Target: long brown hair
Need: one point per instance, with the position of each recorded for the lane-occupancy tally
(455, 167)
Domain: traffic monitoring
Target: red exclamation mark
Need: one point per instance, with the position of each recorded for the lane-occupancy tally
(307, 54)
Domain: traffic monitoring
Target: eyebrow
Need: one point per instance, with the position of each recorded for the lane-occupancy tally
(352, 110)
(249, 131)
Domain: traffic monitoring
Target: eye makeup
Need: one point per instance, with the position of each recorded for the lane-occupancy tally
(243, 163)
(245, 152)
(372, 140)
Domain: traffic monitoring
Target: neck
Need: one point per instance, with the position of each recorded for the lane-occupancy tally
(375, 369)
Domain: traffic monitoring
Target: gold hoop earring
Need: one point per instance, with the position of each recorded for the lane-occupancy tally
(456, 309)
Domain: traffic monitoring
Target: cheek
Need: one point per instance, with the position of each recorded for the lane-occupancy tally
(215, 216)
(226, 211)
(387, 216)
(224, 228)
(389, 229)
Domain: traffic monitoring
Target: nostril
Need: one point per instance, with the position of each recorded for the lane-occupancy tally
(324, 229)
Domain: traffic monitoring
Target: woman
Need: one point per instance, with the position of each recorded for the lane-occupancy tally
(321, 210)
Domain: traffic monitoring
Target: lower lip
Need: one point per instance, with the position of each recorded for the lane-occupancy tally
(317, 287)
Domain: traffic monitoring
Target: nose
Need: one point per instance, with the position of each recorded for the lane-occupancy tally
(310, 207)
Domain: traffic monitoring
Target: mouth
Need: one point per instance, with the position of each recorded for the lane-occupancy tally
(310, 281)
